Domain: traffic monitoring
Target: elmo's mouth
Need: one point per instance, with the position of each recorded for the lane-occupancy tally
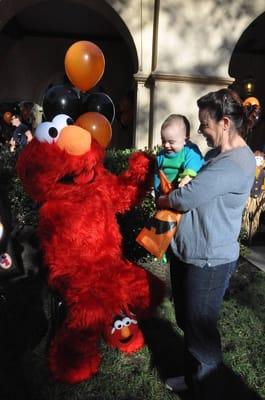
(82, 178)
(66, 180)
(126, 340)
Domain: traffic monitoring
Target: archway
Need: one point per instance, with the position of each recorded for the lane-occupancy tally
(248, 60)
(34, 40)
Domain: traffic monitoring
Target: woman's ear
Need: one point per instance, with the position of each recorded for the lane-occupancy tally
(226, 123)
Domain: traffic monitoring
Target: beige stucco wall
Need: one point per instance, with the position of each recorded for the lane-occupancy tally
(195, 41)
(197, 37)
(138, 15)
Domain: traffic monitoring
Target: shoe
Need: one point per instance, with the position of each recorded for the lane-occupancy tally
(176, 384)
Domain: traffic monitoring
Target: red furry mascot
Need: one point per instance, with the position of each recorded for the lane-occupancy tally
(62, 169)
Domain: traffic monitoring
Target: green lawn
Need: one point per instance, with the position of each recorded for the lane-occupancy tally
(242, 326)
(140, 376)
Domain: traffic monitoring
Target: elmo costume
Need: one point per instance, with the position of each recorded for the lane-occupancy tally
(105, 294)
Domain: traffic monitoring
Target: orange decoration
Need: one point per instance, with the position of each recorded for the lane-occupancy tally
(156, 237)
(251, 101)
(84, 64)
(98, 126)
(7, 117)
(165, 184)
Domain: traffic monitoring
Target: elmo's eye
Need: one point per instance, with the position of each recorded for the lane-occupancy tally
(126, 321)
(118, 324)
(46, 132)
(61, 121)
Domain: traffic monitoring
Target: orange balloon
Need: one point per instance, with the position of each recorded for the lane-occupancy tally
(98, 126)
(84, 64)
(7, 117)
(251, 101)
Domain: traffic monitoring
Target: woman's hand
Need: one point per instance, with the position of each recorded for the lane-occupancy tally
(163, 202)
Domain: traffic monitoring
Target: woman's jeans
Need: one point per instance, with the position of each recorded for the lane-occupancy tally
(198, 294)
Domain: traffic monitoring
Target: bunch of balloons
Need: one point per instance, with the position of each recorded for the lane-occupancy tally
(84, 66)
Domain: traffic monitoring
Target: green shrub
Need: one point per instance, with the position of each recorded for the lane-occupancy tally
(22, 207)
(243, 240)
(132, 222)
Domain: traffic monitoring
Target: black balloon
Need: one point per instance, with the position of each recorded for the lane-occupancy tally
(99, 102)
(61, 99)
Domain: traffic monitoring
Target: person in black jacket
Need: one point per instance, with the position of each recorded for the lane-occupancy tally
(21, 135)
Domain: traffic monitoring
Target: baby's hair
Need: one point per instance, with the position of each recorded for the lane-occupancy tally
(172, 118)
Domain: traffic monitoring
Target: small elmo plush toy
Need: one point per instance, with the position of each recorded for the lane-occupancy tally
(105, 294)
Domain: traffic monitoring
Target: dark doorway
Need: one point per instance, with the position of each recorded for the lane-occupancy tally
(248, 60)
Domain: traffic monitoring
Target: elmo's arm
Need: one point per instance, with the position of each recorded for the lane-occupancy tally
(131, 186)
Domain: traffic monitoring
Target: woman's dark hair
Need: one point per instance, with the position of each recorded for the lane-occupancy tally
(225, 102)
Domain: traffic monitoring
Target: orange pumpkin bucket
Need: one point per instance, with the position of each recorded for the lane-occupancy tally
(156, 236)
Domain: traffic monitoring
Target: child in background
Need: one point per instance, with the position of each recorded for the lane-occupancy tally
(180, 159)
(21, 135)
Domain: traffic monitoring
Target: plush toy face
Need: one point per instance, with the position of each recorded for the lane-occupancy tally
(124, 333)
(60, 158)
(5, 261)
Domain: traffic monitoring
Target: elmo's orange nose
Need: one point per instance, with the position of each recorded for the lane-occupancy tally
(74, 140)
(125, 332)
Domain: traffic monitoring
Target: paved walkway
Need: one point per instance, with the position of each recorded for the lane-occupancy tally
(256, 256)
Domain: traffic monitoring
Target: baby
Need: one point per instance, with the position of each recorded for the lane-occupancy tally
(180, 159)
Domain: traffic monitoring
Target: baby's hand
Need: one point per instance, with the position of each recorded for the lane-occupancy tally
(184, 181)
